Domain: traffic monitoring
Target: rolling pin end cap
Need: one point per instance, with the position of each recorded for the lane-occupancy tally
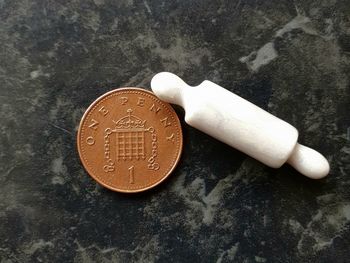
(309, 162)
(168, 87)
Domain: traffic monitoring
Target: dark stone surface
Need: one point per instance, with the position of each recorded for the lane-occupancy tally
(290, 57)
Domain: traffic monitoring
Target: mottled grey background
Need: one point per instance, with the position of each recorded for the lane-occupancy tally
(292, 58)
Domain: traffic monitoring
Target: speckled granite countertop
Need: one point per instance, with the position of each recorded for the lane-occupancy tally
(291, 58)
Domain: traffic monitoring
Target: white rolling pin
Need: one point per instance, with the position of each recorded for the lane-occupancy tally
(239, 123)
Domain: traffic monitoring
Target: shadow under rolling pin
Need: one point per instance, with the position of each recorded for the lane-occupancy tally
(240, 124)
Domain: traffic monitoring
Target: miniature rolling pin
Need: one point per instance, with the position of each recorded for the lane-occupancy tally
(240, 124)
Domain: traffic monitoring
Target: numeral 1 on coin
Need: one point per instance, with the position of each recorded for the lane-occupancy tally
(131, 175)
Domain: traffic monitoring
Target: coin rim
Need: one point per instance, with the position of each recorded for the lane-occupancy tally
(87, 111)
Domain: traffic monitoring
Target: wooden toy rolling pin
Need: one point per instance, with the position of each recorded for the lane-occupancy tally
(239, 123)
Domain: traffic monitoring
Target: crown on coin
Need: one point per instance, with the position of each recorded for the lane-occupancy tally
(130, 122)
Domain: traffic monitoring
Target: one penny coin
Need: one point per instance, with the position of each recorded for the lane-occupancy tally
(129, 140)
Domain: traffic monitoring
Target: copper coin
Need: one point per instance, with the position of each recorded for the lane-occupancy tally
(129, 140)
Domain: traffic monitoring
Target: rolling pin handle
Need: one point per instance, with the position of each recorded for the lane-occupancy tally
(169, 87)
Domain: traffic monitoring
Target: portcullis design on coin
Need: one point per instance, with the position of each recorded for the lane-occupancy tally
(129, 140)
